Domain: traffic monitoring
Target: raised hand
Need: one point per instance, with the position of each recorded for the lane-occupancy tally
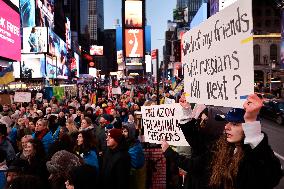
(183, 102)
(252, 107)
(164, 145)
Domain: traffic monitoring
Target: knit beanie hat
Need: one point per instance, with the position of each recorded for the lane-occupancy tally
(62, 161)
(116, 134)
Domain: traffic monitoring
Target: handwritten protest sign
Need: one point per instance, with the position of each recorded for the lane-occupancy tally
(22, 97)
(116, 90)
(217, 57)
(162, 122)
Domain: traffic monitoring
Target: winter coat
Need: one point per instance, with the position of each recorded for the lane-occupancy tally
(259, 168)
(47, 140)
(116, 168)
(91, 158)
(137, 155)
(8, 148)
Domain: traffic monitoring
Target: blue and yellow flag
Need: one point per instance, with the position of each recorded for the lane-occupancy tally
(6, 76)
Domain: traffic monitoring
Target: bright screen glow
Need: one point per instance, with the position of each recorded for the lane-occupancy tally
(34, 40)
(32, 66)
(50, 67)
(96, 50)
(134, 42)
(133, 13)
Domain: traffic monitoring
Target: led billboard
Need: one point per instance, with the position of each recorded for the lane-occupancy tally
(10, 38)
(51, 66)
(133, 61)
(34, 40)
(68, 33)
(33, 66)
(75, 64)
(119, 57)
(27, 11)
(17, 69)
(58, 48)
(134, 43)
(44, 13)
(133, 14)
(96, 50)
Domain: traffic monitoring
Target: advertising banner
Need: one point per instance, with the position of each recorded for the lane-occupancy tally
(17, 69)
(75, 64)
(134, 42)
(217, 57)
(68, 33)
(133, 14)
(22, 97)
(148, 61)
(162, 122)
(44, 13)
(50, 67)
(27, 11)
(97, 50)
(33, 66)
(58, 92)
(133, 61)
(34, 40)
(10, 38)
(119, 57)
(58, 48)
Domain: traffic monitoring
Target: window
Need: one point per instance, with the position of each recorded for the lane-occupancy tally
(273, 52)
(256, 52)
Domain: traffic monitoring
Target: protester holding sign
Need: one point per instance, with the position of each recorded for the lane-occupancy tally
(240, 158)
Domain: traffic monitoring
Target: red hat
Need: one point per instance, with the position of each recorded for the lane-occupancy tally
(116, 134)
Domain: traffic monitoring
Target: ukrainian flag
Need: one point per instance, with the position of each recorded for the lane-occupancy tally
(6, 76)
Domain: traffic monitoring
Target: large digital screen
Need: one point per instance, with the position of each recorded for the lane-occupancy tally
(34, 40)
(50, 66)
(58, 48)
(27, 11)
(133, 61)
(10, 38)
(68, 33)
(44, 13)
(119, 57)
(96, 50)
(75, 64)
(134, 43)
(133, 14)
(33, 66)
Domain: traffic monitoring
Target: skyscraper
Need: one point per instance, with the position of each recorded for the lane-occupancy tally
(182, 4)
(193, 6)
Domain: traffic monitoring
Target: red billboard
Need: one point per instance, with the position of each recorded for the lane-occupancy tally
(133, 14)
(10, 39)
(134, 46)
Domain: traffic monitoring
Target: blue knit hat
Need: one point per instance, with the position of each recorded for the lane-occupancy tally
(235, 115)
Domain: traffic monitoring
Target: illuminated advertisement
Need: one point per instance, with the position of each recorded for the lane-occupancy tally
(68, 33)
(57, 47)
(119, 57)
(96, 50)
(50, 67)
(214, 7)
(93, 72)
(133, 13)
(148, 61)
(17, 69)
(134, 43)
(10, 38)
(15, 2)
(133, 61)
(148, 38)
(27, 11)
(75, 64)
(33, 66)
(34, 40)
(44, 13)
(118, 37)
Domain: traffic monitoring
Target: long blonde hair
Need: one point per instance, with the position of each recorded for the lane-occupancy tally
(225, 164)
(71, 126)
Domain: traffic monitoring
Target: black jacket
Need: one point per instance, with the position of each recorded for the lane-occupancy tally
(116, 168)
(259, 168)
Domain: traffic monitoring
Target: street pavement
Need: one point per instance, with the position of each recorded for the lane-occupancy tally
(275, 134)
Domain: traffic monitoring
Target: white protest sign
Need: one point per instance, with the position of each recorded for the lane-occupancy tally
(162, 122)
(22, 97)
(116, 90)
(169, 100)
(217, 57)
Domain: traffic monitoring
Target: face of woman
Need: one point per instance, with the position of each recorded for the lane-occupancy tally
(234, 132)
(29, 149)
(125, 133)
(80, 139)
(84, 124)
(31, 126)
(39, 126)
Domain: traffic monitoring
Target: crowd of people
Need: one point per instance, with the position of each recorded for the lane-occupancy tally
(73, 143)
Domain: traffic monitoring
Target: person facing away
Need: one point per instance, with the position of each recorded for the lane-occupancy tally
(241, 158)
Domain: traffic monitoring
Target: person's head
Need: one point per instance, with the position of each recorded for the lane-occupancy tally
(233, 129)
(6, 108)
(125, 131)
(86, 139)
(41, 124)
(17, 168)
(48, 110)
(104, 120)
(81, 177)
(79, 112)
(71, 126)
(86, 122)
(109, 104)
(114, 138)
(14, 106)
(130, 118)
(113, 112)
(31, 125)
(71, 110)
(24, 141)
(21, 122)
(35, 106)
(33, 148)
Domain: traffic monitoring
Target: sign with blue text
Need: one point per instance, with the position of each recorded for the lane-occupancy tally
(217, 57)
(162, 122)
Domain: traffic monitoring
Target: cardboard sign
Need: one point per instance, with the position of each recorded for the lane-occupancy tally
(116, 90)
(217, 57)
(22, 97)
(162, 122)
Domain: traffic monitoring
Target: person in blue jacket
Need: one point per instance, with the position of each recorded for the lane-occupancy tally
(43, 134)
(86, 148)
